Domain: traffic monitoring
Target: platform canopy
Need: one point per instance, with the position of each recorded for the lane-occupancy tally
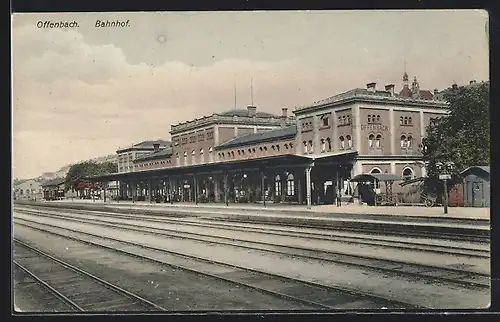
(381, 177)
(281, 161)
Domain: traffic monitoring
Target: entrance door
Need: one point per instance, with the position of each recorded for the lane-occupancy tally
(477, 194)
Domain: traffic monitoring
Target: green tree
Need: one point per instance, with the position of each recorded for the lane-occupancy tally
(462, 137)
(108, 167)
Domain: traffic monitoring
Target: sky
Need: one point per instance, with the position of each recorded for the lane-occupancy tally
(80, 93)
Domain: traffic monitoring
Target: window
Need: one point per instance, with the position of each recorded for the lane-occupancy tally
(311, 147)
(193, 153)
(273, 147)
(378, 118)
(305, 146)
(291, 145)
(407, 174)
(249, 150)
(401, 120)
(185, 154)
(348, 119)
(405, 121)
(210, 135)
(378, 139)
(290, 185)
(370, 140)
(323, 145)
(286, 146)
(349, 141)
(341, 139)
(277, 186)
(326, 121)
(369, 118)
(409, 120)
(239, 152)
(265, 148)
(340, 120)
(329, 144)
(344, 119)
(409, 140)
(403, 141)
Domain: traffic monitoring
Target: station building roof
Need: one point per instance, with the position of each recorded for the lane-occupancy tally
(163, 153)
(266, 136)
(245, 113)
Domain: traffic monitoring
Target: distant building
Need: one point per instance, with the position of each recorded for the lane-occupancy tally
(30, 189)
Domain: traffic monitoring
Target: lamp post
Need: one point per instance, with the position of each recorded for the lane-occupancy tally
(445, 175)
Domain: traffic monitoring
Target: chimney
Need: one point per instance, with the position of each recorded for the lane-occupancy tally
(252, 110)
(284, 116)
(371, 87)
(156, 147)
(390, 88)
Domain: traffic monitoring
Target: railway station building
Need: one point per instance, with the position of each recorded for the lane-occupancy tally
(310, 157)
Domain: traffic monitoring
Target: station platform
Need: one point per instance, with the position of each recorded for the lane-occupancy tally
(462, 215)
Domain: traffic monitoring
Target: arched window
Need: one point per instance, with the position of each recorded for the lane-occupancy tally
(273, 147)
(286, 146)
(369, 118)
(409, 120)
(290, 185)
(344, 121)
(407, 174)
(277, 186)
(185, 154)
(177, 159)
(405, 122)
(340, 120)
(403, 141)
(409, 141)
(232, 154)
(348, 119)
(401, 120)
(311, 147)
(202, 158)
(377, 140)
(260, 148)
(193, 153)
(290, 145)
(376, 183)
(265, 148)
(239, 152)
(249, 150)
(278, 147)
(371, 138)
(378, 118)
(253, 150)
(342, 143)
(329, 144)
(349, 141)
(323, 145)
(305, 147)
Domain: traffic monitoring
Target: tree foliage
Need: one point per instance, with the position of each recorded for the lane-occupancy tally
(463, 137)
(75, 178)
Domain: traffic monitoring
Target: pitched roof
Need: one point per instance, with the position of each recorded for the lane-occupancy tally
(424, 94)
(244, 113)
(54, 182)
(483, 168)
(163, 153)
(289, 131)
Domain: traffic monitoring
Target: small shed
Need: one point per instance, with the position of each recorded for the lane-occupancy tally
(476, 181)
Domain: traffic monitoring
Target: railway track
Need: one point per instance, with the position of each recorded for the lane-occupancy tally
(369, 228)
(297, 232)
(78, 289)
(315, 295)
(428, 272)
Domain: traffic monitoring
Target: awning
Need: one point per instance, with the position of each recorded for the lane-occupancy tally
(381, 177)
(280, 161)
